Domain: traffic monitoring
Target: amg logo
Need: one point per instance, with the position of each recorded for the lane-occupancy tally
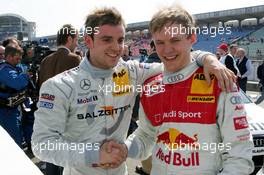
(201, 99)
(119, 74)
(202, 77)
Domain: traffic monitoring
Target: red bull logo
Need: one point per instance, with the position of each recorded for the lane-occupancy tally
(179, 159)
(174, 139)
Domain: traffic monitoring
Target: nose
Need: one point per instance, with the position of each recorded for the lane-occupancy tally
(168, 49)
(115, 46)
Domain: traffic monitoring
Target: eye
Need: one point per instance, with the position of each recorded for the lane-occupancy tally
(175, 40)
(107, 40)
(121, 41)
(159, 42)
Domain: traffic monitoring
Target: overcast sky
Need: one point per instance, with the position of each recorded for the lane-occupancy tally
(50, 15)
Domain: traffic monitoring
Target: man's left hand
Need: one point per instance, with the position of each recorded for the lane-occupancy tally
(225, 76)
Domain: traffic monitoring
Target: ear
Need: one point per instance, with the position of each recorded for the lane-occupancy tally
(69, 39)
(193, 38)
(88, 41)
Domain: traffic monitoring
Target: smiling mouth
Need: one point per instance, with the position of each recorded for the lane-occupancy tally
(112, 55)
(169, 58)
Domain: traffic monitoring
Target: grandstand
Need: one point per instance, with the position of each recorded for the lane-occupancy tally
(209, 43)
(138, 36)
(241, 28)
(13, 25)
(254, 43)
(246, 26)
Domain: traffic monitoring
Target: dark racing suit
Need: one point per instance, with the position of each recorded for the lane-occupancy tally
(11, 84)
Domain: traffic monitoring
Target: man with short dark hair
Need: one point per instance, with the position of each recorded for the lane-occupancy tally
(11, 40)
(63, 35)
(64, 58)
(153, 57)
(12, 92)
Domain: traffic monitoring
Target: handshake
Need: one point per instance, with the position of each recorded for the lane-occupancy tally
(112, 155)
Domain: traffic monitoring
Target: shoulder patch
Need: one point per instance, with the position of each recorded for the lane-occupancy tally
(200, 86)
(121, 80)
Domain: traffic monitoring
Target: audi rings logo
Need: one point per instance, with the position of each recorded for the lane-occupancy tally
(175, 78)
(85, 84)
(236, 100)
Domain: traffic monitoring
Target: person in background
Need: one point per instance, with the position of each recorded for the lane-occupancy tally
(153, 56)
(245, 68)
(143, 55)
(260, 74)
(22, 67)
(227, 59)
(2, 53)
(12, 92)
(218, 55)
(126, 55)
(11, 40)
(233, 50)
(64, 58)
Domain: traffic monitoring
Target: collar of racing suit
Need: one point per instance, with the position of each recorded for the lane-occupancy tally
(183, 74)
(94, 71)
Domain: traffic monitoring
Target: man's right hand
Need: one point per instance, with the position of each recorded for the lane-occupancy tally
(112, 154)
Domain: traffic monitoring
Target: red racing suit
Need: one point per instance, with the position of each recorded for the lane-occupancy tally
(191, 128)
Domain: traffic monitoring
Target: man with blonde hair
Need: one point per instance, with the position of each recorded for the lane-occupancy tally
(195, 128)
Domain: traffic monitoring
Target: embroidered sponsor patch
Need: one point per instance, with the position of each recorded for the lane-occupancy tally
(87, 99)
(44, 104)
(121, 82)
(85, 84)
(244, 137)
(46, 96)
(201, 99)
(239, 107)
(199, 85)
(104, 111)
(240, 123)
(175, 78)
(236, 100)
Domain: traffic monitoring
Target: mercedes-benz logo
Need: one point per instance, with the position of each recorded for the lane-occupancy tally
(85, 84)
(175, 78)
